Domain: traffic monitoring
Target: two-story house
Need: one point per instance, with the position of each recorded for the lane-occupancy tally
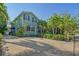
(27, 20)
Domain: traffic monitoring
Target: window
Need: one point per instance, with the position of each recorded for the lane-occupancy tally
(24, 16)
(32, 19)
(28, 17)
(32, 28)
(28, 28)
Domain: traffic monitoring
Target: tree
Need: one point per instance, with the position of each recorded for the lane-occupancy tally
(55, 23)
(69, 25)
(42, 25)
(3, 18)
(62, 24)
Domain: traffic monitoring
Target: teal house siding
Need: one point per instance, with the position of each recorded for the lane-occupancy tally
(27, 20)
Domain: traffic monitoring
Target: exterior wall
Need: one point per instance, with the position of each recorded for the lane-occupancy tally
(31, 24)
(23, 20)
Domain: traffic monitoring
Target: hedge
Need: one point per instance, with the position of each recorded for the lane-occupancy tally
(57, 37)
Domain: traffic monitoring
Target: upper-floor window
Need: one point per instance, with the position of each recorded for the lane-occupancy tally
(24, 16)
(33, 20)
(28, 17)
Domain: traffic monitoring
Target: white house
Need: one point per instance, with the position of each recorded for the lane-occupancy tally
(28, 20)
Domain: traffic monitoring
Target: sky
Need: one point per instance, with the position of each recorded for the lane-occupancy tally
(41, 10)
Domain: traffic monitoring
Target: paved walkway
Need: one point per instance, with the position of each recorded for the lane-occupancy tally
(32, 46)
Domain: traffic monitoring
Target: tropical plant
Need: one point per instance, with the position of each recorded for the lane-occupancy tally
(3, 18)
(55, 23)
(20, 31)
(62, 24)
(69, 25)
(42, 25)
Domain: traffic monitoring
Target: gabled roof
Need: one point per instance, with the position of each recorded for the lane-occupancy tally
(25, 12)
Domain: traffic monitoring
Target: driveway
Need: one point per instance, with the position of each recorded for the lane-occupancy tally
(33, 46)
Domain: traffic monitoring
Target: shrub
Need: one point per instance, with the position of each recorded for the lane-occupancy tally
(68, 37)
(55, 36)
(20, 32)
(48, 36)
(41, 35)
(58, 37)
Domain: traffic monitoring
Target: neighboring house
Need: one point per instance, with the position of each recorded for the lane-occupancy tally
(27, 20)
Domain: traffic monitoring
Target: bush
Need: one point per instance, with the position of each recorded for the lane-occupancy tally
(41, 35)
(69, 37)
(59, 37)
(20, 32)
(55, 36)
(48, 36)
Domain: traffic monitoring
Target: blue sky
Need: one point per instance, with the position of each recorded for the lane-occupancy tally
(41, 10)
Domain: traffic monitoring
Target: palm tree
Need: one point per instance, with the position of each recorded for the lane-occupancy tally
(3, 17)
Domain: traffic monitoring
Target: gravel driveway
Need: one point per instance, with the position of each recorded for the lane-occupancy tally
(32, 46)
